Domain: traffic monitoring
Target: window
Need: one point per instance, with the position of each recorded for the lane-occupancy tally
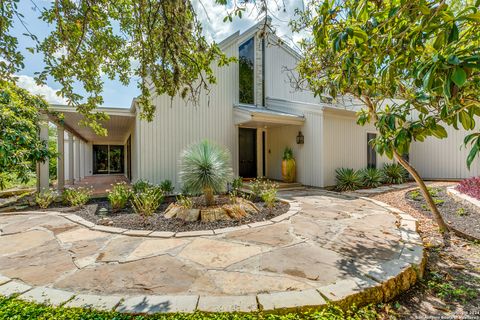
(246, 72)
(371, 153)
(108, 159)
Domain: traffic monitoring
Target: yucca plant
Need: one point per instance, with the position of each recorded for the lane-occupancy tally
(372, 177)
(394, 173)
(347, 179)
(205, 168)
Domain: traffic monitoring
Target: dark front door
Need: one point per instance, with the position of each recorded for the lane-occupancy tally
(247, 140)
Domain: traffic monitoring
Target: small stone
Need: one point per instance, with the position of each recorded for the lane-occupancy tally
(227, 304)
(46, 295)
(162, 304)
(102, 212)
(214, 214)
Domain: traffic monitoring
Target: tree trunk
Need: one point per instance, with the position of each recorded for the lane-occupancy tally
(208, 194)
(443, 228)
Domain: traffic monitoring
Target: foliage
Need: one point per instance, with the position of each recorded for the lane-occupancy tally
(141, 185)
(257, 186)
(44, 198)
(470, 186)
(52, 147)
(461, 212)
(237, 184)
(12, 308)
(287, 154)
(394, 173)
(205, 167)
(372, 177)
(269, 194)
(20, 146)
(167, 187)
(415, 195)
(449, 290)
(184, 201)
(94, 40)
(147, 202)
(77, 196)
(347, 179)
(119, 196)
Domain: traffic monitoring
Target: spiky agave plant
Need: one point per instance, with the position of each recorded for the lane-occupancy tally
(205, 168)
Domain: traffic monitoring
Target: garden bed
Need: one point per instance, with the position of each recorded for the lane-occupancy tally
(128, 219)
(461, 215)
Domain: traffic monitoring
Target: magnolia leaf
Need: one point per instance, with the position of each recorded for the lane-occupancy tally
(459, 76)
(472, 154)
(475, 17)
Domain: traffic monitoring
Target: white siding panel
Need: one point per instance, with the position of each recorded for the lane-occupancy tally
(345, 145)
(443, 158)
(178, 123)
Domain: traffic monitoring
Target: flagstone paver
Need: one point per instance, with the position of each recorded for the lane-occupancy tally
(328, 246)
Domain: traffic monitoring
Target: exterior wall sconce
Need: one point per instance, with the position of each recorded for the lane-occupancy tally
(300, 138)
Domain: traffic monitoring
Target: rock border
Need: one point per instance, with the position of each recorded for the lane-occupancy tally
(293, 210)
(379, 284)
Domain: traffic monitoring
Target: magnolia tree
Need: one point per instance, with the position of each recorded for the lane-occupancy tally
(424, 53)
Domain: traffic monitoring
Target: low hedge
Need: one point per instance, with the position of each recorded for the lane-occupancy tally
(12, 308)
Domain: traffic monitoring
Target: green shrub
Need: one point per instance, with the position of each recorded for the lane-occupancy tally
(394, 173)
(237, 184)
(347, 179)
(205, 168)
(141, 185)
(145, 203)
(184, 201)
(45, 198)
(371, 177)
(76, 196)
(287, 154)
(269, 194)
(167, 186)
(119, 196)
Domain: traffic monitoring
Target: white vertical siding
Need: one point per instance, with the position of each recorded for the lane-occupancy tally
(178, 123)
(443, 158)
(345, 145)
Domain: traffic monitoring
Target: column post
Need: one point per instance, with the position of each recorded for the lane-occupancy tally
(60, 158)
(77, 159)
(70, 159)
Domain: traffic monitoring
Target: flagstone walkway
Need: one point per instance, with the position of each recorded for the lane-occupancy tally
(339, 248)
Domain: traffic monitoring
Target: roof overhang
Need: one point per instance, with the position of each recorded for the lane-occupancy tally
(118, 126)
(258, 117)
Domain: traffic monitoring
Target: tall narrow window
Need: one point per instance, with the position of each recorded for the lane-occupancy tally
(371, 153)
(246, 72)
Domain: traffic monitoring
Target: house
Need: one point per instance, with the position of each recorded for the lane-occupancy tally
(255, 112)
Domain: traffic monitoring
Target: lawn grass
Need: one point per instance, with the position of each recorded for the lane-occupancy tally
(12, 308)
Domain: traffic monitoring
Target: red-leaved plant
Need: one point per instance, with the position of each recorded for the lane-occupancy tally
(470, 187)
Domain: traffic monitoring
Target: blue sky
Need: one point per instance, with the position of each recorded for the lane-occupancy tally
(115, 94)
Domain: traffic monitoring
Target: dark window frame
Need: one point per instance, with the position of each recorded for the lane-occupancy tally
(246, 81)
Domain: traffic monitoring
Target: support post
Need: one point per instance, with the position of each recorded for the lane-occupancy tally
(60, 158)
(42, 167)
(70, 159)
(77, 159)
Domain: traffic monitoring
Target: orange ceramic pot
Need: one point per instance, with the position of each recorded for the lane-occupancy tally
(288, 170)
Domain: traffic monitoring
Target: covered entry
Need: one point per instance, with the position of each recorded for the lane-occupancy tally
(253, 136)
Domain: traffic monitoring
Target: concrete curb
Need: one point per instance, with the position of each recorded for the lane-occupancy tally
(378, 284)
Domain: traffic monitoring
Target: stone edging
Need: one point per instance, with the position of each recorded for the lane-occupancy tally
(378, 284)
(293, 210)
(462, 197)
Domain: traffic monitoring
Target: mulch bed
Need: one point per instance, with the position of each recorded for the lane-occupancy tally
(157, 222)
(451, 285)
(460, 214)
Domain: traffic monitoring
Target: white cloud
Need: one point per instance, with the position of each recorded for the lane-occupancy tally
(211, 16)
(48, 93)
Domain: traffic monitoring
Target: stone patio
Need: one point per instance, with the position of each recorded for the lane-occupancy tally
(338, 247)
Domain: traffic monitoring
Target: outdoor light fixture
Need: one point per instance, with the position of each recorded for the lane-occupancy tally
(300, 138)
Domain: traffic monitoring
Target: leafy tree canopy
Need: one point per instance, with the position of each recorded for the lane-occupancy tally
(158, 42)
(20, 147)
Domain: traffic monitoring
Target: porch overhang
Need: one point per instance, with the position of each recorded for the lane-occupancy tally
(252, 116)
(118, 125)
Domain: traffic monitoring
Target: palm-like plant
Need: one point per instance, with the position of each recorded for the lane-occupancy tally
(205, 168)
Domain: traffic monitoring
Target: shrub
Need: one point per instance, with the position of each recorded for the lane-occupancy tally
(470, 187)
(287, 154)
(141, 185)
(347, 179)
(269, 194)
(205, 168)
(184, 201)
(237, 184)
(167, 186)
(372, 177)
(145, 203)
(45, 198)
(76, 196)
(394, 173)
(119, 196)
